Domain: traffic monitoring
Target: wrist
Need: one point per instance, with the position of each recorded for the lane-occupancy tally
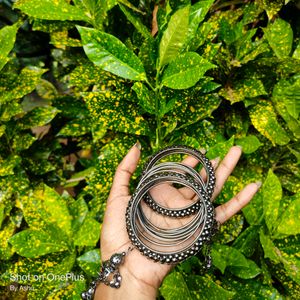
(131, 288)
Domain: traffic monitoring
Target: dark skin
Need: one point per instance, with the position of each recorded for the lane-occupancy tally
(141, 277)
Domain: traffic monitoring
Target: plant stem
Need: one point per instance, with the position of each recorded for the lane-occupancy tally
(157, 112)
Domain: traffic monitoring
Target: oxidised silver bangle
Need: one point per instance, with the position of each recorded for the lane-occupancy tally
(208, 186)
(173, 245)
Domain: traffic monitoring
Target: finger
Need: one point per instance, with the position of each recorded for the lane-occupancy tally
(230, 208)
(225, 168)
(189, 193)
(125, 169)
(190, 161)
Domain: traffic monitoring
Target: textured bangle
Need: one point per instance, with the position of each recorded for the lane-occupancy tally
(173, 245)
(208, 186)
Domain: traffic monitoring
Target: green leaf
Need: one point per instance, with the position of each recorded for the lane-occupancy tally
(45, 205)
(76, 127)
(88, 234)
(198, 12)
(249, 143)
(254, 210)
(231, 229)
(220, 149)
(129, 5)
(251, 271)
(51, 10)
(175, 287)
(280, 37)
(23, 142)
(287, 250)
(96, 10)
(111, 154)
(167, 107)
(231, 187)
(224, 256)
(288, 92)
(296, 53)
(70, 288)
(34, 243)
(191, 142)
(247, 88)
(201, 35)
(7, 166)
(264, 119)
(291, 122)
(24, 84)
(78, 210)
(145, 96)
(189, 110)
(174, 36)
(89, 262)
(7, 41)
(251, 289)
(271, 7)
(246, 242)
(38, 117)
(184, 71)
(272, 194)
(109, 53)
(204, 288)
(136, 22)
(6, 232)
(229, 32)
(46, 90)
(289, 223)
(117, 115)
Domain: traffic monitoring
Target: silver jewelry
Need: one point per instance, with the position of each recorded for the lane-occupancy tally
(109, 274)
(176, 244)
(208, 186)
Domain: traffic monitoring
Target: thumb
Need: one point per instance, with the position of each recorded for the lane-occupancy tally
(125, 169)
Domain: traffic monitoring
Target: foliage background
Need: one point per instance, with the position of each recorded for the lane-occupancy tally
(217, 73)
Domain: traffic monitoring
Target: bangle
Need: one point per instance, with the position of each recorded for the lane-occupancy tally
(173, 245)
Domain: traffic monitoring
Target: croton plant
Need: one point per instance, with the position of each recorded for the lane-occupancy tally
(81, 81)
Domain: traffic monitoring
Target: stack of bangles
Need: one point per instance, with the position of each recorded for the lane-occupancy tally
(163, 244)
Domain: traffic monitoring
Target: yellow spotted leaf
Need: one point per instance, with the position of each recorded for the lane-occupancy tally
(264, 119)
(289, 223)
(272, 194)
(110, 54)
(51, 10)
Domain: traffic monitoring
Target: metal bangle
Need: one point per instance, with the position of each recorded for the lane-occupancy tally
(176, 244)
(151, 167)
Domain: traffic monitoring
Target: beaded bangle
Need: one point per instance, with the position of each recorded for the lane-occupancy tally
(176, 244)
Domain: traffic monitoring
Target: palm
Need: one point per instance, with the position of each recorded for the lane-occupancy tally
(114, 236)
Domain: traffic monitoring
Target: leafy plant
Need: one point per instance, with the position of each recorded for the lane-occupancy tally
(82, 80)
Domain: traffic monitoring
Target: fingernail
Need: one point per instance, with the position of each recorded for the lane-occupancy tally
(258, 183)
(203, 151)
(138, 145)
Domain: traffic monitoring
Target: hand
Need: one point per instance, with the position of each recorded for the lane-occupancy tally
(141, 277)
